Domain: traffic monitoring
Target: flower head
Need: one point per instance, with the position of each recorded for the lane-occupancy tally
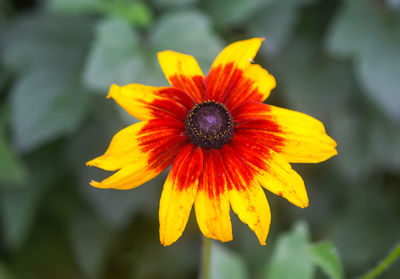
(222, 141)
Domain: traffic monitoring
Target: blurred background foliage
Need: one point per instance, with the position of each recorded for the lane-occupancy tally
(338, 61)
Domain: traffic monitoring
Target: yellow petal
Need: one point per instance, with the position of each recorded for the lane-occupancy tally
(123, 149)
(246, 196)
(146, 102)
(252, 207)
(141, 152)
(179, 193)
(182, 71)
(212, 202)
(240, 53)
(264, 82)
(304, 137)
(213, 217)
(129, 177)
(282, 180)
(255, 84)
(228, 68)
(271, 170)
(299, 138)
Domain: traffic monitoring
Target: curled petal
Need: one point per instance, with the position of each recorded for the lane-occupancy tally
(123, 149)
(141, 152)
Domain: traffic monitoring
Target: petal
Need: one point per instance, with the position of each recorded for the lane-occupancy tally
(141, 152)
(147, 102)
(124, 147)
(228, 68)
(273, 172)
(179, 193)
(252, 207)
(255, 84)
(135, 142)
(297, 137)
(182, 71)
(129, 177)
(212, 201)
(246, 197)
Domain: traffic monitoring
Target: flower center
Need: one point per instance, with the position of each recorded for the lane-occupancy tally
(209, 125)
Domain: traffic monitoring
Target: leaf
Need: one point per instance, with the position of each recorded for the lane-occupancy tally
(47, 42)
(74, 5)
(90, 242)
(291, 257)
(173, 3)
(46, 100)
(232, 12)
(189, 32)
(61, 108)
(12, 171)
(372, 38)
(4, 273)
(312, 82)
(135, 12)
(326, 257)
(18, 209)
(264, 22)
(116, 207)
(115, 56)
(225, 264)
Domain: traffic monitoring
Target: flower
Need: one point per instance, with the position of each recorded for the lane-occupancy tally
(222, 141)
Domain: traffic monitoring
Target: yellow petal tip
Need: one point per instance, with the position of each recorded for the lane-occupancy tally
(113, 90)
(94, 183)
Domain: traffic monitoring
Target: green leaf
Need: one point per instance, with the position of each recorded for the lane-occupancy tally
(46, 101)
(173, 3)
(188, 32)
(371, 37)
(61, 108)
(225, 264)
(116, 208)
(90, 241)
(12, 171)
(135, 12)
(115, 57)
(326, 257)
(275, 21)
(75, 5)
(291, 257)
(312, 82)
(47, 42)
(4, 273)
(232, 12)
(18, 209)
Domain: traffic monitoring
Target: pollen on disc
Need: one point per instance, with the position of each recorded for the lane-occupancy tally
(209, 125)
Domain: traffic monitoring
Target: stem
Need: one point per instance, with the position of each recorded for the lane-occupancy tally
(384, 264)
(205, 267)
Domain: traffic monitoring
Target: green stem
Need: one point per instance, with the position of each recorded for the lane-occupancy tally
(384, 264)
(205, 265)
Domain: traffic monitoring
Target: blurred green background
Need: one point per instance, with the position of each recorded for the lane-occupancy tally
(338, 61)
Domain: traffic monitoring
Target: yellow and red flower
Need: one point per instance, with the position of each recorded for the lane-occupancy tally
(222, 141)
